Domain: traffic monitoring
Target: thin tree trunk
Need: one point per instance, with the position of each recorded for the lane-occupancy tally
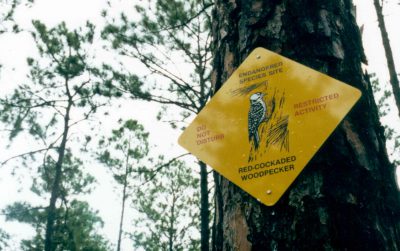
(346, 198)
(204, 208)
(171, 235)
(125, 185)
(217, 230)
(55, 190)
(204, 193)
(394, 80)
(121, 221)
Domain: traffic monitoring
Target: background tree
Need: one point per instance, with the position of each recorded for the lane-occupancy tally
(123, 152)
(4, 237)
(7, 11)
(391, 134)
(60, 96)
(394, 80)
(76, 226)
(346, 197)
(171, 34)
(166, 204)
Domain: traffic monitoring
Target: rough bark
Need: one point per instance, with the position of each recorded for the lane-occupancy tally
(394, 80)
(346, 197)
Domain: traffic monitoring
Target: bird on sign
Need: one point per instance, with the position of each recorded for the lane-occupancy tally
(257, 115)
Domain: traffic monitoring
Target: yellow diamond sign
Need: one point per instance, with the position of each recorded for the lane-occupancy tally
(266, 123)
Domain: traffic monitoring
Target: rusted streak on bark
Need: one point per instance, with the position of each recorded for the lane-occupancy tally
(237, 230)
(228, 62)
(356, 144)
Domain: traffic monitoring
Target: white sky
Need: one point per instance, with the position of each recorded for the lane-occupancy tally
(14, 50)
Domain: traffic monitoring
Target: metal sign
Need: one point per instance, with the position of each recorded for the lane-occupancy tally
(266, 122)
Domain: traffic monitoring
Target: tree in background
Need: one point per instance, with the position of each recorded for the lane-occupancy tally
(171, 34)
(4, 237)
(7, 11)
(346, 198)
(60, 96)
(76, 226)
(123, 153)
(394, 80)
(392, 136)
(166, 206)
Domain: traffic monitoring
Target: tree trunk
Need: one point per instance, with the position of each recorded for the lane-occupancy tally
(55, 189)
(204, 208)
(172, 221)
(394, 80)
(346, 198)
(121, 220)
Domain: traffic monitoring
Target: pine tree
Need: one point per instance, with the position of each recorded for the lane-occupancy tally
(76, 226)
(4, 237)
(60, 96)
(394, 80)
(7, 11)
(391, 134)
(123, 153)
(166, 207)
(164, 35)
(346, 197)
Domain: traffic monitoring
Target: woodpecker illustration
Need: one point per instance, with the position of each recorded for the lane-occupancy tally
(257, 115)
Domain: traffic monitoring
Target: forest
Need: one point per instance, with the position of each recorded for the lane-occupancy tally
(94, 95)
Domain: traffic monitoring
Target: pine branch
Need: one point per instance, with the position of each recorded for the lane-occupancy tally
(25, 154)
(157, 169)
(188, 21)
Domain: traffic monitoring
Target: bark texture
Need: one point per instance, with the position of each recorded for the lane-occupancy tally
(346, 198)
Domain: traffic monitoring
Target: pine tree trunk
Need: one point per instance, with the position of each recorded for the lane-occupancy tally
(55, 189)
(204, 208)
(394, 80)
(346, 198)
(121, 220)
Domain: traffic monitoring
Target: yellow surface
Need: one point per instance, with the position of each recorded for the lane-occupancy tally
(302, 108)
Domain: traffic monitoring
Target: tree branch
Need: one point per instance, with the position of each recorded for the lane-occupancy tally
(185, 23)
(157, 169)
(26, 153)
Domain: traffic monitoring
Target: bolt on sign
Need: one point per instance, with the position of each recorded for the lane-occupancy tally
(266, 122)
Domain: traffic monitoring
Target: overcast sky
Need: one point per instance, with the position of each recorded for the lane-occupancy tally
(15, 48)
